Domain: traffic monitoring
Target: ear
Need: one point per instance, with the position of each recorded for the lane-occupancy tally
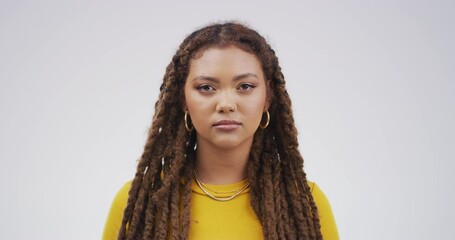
(269, 93)
(183, 105)
(183, 102)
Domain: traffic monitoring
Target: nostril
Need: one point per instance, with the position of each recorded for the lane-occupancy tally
(227, 108)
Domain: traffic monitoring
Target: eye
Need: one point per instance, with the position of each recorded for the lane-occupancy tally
(246, 87)
(205, 88)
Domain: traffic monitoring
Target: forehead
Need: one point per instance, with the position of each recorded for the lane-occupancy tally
(224, 59)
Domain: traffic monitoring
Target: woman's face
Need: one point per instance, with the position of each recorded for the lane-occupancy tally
(225, 95)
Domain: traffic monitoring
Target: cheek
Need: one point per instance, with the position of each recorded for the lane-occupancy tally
(199, 110)
(254, 108)
(191, 99)
(198, 105)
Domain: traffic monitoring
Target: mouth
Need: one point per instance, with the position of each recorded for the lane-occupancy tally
(227, 125)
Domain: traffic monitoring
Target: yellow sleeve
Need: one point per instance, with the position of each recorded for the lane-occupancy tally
(115, 216)
(328, 226)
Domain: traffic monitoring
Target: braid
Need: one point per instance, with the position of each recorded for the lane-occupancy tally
(150, 217)
(159, 201)
(151, 182)
(269, 204)
(186, 193)
(292, 162)
(254, 171)
(276, 180)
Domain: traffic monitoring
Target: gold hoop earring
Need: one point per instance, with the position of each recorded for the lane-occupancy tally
(268, 120)
(186, 122)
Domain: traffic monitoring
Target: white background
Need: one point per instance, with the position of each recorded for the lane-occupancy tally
(372, 86)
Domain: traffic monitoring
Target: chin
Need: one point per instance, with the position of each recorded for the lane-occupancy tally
(226, 144)
(223, 142)
(229, 143)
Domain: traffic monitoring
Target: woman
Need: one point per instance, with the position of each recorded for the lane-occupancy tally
(221, 160)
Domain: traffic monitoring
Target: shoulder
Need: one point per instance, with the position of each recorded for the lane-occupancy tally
(319, 197)
(121, 197)
(315, 189)
(115, 216)
(125, 189)
(329, 229)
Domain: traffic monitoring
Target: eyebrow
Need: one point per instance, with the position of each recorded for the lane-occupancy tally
(236, 78)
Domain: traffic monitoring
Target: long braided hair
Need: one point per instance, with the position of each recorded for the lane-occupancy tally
(159, 200)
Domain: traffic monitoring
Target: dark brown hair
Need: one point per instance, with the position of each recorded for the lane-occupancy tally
(159, 200)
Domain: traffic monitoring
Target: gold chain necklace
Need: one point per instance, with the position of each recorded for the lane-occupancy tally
(218, 192)
(221, 199)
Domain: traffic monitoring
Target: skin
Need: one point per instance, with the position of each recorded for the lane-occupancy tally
(225, 84)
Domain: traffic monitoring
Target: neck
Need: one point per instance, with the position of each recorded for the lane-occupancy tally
(222, 166)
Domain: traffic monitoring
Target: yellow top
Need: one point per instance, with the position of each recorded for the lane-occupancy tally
(234, 219)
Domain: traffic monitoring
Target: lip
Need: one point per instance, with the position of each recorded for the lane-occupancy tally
(226, 122)
(227, 125)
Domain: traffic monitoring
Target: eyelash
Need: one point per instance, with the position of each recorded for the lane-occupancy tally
(250, 86)
(202, 87)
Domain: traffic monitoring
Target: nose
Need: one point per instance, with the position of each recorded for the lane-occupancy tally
(226, 103)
